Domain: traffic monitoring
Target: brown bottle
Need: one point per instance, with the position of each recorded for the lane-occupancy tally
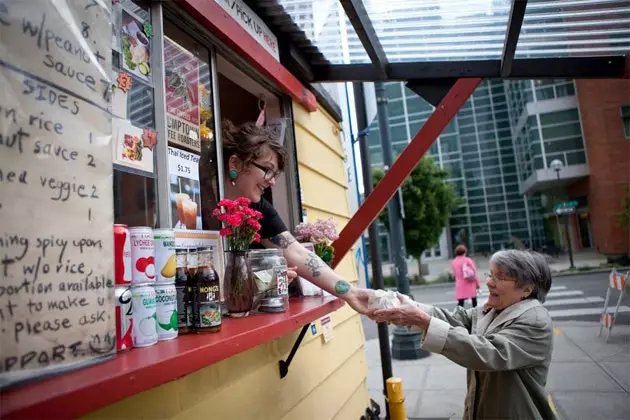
(207, 296)
(191, 280)
(181, 278)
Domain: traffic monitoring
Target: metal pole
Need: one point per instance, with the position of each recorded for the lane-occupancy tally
(375, 249)
(566, 228)
(396, 230)
(405, 343)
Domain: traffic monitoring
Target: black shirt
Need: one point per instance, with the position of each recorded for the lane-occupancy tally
(271, 224)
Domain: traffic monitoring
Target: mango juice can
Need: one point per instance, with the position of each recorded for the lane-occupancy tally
(165, 262)
(166, 311)
(144, 330)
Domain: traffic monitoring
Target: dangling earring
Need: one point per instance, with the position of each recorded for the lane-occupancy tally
(233, 175)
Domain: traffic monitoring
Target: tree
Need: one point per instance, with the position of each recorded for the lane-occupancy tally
(428, 201)
(624, 214)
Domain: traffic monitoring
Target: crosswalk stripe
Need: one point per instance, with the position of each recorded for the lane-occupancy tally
(561, 293)
(574, 301)
(565, 313)
(555, 290)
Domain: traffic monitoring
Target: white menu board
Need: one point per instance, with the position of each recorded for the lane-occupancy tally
(56, 198)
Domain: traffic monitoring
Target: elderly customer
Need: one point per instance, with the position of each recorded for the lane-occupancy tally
(505, 345)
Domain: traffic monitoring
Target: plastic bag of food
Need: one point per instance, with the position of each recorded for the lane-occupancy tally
(383, 299)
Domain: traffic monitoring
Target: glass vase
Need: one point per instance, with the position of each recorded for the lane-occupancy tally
(239, 284)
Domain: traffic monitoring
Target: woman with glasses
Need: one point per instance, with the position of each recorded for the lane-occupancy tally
(506, 345)
(254, 159)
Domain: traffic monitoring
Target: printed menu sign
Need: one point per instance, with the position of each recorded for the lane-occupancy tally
(183, 168)
(181, 82)
(56, 199)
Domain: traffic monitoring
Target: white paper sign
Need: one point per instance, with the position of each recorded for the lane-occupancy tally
(56, 198)
(183, 164)
(327, 328)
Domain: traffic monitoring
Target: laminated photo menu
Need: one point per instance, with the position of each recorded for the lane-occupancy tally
(56, 200)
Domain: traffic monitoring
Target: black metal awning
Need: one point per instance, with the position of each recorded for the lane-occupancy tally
(431, 43)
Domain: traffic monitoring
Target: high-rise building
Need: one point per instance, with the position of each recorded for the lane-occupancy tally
(498, 152)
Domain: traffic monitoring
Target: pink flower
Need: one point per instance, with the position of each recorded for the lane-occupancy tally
(216, 212)
(243, 201)
(234, 220)
(253, 223)
(226, 232)
(256, 237)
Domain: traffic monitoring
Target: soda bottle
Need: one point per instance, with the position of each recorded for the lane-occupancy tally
(191, 280)
(207, 296)
(181, 278)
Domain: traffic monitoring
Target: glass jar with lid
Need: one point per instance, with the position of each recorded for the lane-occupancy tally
(270, 275)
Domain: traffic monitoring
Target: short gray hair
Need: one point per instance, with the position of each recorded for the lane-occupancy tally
(528, 268)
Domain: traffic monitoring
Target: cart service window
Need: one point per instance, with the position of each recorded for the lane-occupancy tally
(192, 165)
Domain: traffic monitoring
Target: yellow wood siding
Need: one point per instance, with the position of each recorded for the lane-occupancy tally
(325, 380)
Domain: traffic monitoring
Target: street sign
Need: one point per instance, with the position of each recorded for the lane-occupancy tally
(567, 205)
(566, 210)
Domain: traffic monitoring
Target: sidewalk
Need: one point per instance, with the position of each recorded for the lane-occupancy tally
(588, 379)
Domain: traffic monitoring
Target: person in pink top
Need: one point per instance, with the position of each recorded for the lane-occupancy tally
(466, 277)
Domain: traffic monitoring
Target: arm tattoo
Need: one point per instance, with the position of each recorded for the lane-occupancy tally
(342, 287)
(282, 240)
(314, 263)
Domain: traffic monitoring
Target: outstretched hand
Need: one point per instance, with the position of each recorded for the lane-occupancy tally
(406, 314)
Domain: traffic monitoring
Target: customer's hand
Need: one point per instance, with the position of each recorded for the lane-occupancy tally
(407, 314)
(358, 298)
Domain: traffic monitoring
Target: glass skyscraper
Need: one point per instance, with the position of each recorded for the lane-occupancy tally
(504, 133)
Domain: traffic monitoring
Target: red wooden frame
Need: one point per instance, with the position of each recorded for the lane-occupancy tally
(212, 16)
(402, 167)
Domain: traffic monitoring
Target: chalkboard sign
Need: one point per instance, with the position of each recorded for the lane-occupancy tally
(56, 201)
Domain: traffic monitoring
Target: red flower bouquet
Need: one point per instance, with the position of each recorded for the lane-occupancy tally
(240, 221)
(241, 226)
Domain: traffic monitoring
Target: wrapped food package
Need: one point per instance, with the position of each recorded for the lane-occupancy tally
(383, 299)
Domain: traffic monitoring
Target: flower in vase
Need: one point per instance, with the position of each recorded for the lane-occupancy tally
(321, 234)
(241, 223)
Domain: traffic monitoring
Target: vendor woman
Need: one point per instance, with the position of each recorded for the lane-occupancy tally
(253, 161)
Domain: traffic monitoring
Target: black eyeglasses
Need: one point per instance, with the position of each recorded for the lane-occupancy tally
(269, 173)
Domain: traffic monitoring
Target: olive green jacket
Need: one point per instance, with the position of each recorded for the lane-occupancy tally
(507, 356)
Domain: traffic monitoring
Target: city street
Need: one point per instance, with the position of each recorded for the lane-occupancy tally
(572, 298)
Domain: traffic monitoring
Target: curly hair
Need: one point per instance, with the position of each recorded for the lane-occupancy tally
(247, 142)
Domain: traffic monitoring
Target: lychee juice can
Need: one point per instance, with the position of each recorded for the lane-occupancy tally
(144, 330)
(166, 309)
(142, 255)
(165, 262)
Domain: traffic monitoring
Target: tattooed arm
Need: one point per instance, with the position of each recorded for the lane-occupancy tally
(312, 268)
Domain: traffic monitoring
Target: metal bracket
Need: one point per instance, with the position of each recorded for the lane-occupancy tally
(284, 365)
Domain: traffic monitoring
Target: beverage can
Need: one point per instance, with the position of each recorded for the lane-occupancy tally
(124, 318)
(165, 262)
(144, 330)
(122, 254)
(142, 255)
(166, 310)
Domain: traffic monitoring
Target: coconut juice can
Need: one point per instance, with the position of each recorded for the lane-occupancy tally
(144, 330)
(165, 261)
(142, 255)
(166, 310)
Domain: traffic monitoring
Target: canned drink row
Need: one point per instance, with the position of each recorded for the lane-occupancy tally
(144, 255)
(145, 314)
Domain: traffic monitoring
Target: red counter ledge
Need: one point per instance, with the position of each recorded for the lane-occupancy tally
(80, 392)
